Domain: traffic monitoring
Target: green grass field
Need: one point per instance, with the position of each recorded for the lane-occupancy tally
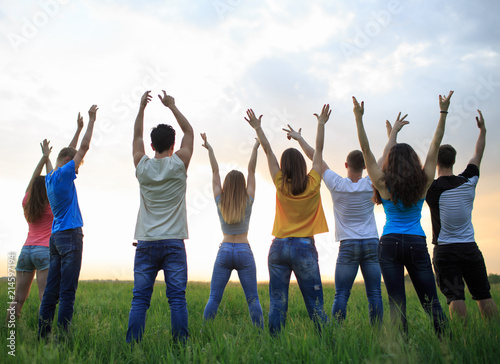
(101, 316)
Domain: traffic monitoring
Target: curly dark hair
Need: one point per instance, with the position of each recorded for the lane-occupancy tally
(404, 177)
(162, 137)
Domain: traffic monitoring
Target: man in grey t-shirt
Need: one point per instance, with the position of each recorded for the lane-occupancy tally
(161, 222)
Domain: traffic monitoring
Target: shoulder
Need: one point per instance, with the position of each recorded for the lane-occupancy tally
(470, 171)
(314, 178)
(277, 178)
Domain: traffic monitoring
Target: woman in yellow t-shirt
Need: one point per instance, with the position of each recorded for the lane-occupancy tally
(299, 216)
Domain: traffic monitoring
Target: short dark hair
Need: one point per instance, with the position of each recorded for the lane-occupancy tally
(446, 156)
(162, 137)
(356, 161)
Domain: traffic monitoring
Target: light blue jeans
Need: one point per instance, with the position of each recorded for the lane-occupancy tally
(237, 256)
(296, 255)
(151, 256)
(353, 254)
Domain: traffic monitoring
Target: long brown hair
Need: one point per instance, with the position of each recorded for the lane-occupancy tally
(294, 171)
(37, 200)
(404, 177)
(234, 197)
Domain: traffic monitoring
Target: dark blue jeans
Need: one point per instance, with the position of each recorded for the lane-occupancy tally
(353, 254)
(64, 270)
(151, 256)
(237, 256)
(397, 251)
(296, 255)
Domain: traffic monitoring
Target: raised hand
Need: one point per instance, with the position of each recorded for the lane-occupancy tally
(325, 114)
(79, 122)
(205, 141)
(388, 127)
(92, 112)
(145, 99)
(444, 102)
(359, 109)
(46, 148)
(253, 120)
(257, 144)
(480, 120)
(167, 100)
(399, 123)
(292, 134)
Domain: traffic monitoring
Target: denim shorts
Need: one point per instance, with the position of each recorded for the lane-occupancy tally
(33, 257)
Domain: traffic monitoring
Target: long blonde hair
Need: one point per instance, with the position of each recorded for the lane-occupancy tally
(234, 197)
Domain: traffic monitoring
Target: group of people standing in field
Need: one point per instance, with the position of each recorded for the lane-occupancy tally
(398, 181)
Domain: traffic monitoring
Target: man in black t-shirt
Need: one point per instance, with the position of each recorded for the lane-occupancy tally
(456, 255)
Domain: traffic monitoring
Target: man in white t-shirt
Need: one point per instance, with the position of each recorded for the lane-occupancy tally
(356, 230)
(162, 220)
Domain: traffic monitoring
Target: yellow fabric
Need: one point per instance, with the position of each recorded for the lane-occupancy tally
(301, 215)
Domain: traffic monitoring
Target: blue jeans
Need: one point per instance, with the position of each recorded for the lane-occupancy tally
(300, 256)
(168, 255)
(65, 262)
(353, 254)
(397, 251)
(237, 256)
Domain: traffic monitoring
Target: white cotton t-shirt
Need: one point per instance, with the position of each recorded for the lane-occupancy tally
(352, 207)
(162, 210)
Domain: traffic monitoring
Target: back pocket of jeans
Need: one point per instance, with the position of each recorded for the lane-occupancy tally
(388, 251)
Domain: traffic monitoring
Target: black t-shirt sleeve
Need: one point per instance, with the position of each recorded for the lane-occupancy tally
(471, 171)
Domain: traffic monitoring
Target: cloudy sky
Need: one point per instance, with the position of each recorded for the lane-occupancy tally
(284, 59)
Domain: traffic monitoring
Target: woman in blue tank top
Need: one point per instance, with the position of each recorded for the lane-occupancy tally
(401, 184)
(234, 203)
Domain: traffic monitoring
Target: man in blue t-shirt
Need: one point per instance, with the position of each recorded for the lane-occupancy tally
(456, 254)
(66, 240)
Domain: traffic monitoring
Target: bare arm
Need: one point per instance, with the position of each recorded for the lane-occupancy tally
(432, 154)
(138, 141)
(187, 144)
(320, 139)
(46, 149)
(306, 148)
(79, 127)
(392, 133)
(216, 184)
(377, 176)
(255, 123)
(251, 169)
(481, 141)
(85, 144)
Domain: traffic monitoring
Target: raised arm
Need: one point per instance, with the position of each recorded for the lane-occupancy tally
(306, 148)
(85, 144)
(216, 185)
(79, 127)
(251, 169)
(138, 141)
(392, 133)
(320, 139)
(187, 144)
(377, 176)
(255, 123)
(432, 154)
(46, 149)
(481, 141)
